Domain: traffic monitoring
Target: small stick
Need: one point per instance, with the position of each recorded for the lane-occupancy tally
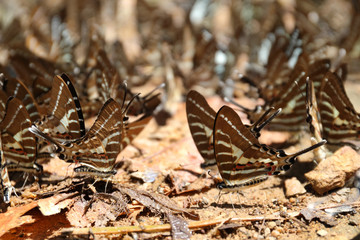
(194, 225)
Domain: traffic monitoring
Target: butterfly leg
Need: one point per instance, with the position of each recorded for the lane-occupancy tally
(26, 176)
(218, 197)
(238, 198)
(232, 204)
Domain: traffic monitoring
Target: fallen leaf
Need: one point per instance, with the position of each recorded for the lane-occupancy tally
(311, 213)
(179, 227)
(12, 218)
(54, 205)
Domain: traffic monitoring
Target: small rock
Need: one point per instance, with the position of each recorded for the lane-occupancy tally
(271, 224)
(353, 222)
(275, 233)
(293, 187)
(292, 200)
(267, 231)
(335, 170)
(279, 229)
(322, 233)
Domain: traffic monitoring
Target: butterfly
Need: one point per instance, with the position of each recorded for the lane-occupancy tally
(242, 161)
(97, 150)
(64, 119)
(18, 143)
(201, 119)
(336, 119)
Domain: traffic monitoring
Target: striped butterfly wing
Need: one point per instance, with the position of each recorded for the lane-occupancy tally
(15, 88)
(131, 130)
(313, 119)
(339, 118)
(19, 144)
(3, 100)
(5, 183)
(201, 119)
(241, 159)
(41, 90)
(65, 120)
(100, 146)
(234, 146)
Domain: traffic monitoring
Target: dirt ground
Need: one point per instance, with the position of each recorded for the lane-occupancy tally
(165, 160)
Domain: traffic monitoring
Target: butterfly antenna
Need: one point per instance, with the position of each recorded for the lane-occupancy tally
(124, 86)
(230, 100)
(267, 121)
(128, 106)
(319, 144)
(162, 85)
(33, 129)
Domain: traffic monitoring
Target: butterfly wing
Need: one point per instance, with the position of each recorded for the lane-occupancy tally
(201, 119)
(16, 88)
(65, 120)
(339, 118)
(18, 142)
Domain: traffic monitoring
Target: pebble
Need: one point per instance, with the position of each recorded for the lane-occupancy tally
(353, 222)
(334, 171)
(293, 187)
(271, 224)
(267, 231)
(275, 233)
(322, 233)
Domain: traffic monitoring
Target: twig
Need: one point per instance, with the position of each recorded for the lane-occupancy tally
(194, 225)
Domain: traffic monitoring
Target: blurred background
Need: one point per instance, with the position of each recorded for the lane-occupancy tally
(186, 44)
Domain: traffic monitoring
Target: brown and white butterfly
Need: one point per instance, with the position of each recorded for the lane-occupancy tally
(97, 150)
(337, 119)
(201, 119)
(241, 159)
(18, 143)
(64, 120)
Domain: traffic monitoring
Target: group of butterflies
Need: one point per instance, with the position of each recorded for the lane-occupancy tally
(40, 122)
(309, 93)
